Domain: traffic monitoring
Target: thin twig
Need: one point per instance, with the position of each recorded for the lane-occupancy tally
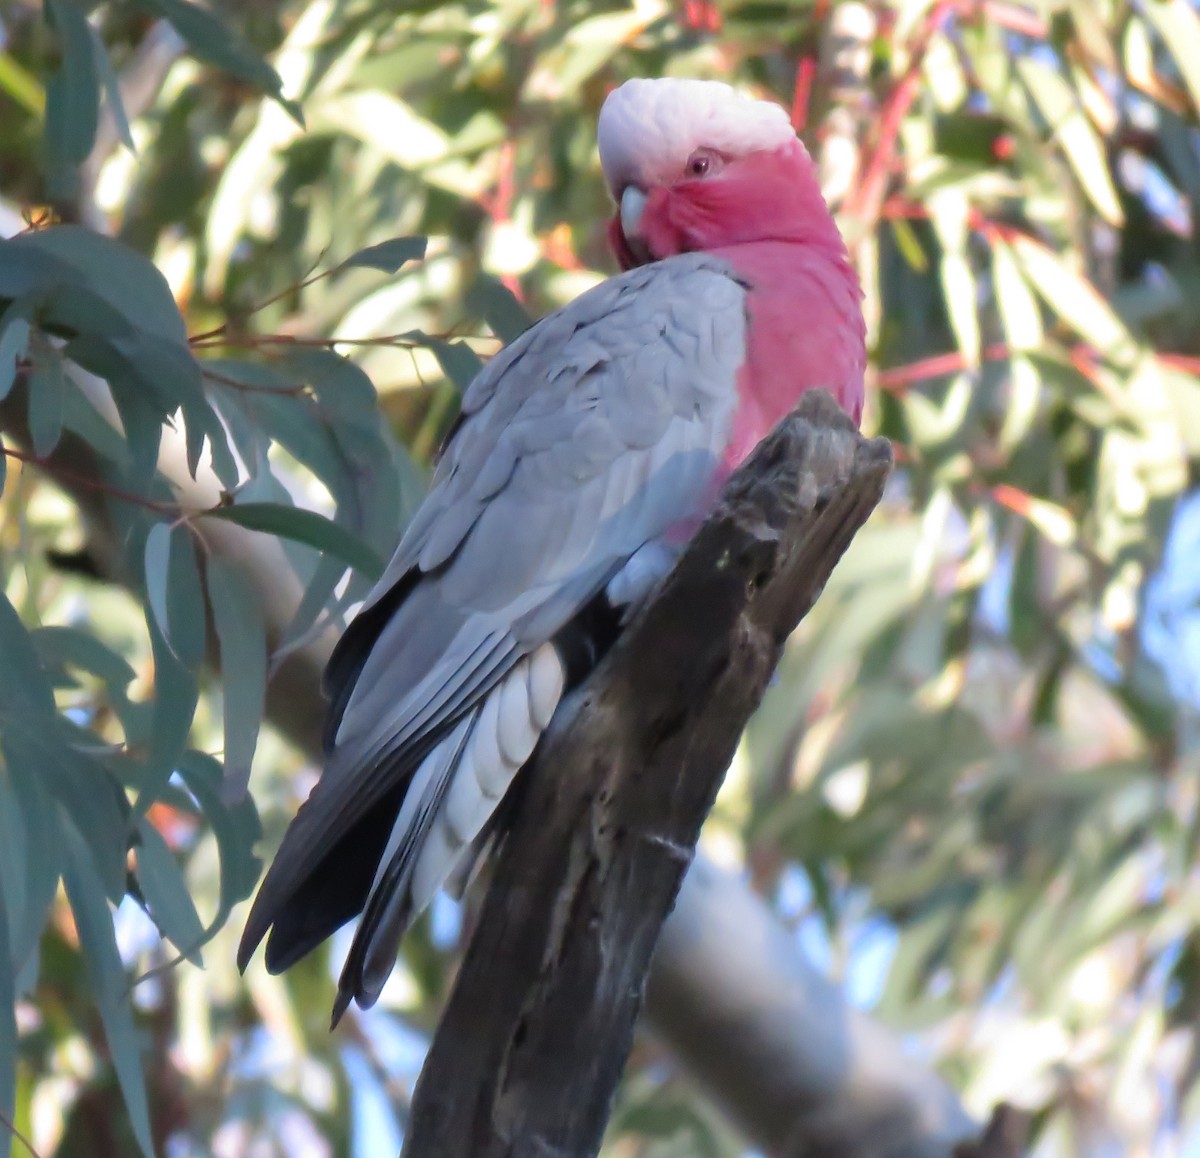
(12, 1129)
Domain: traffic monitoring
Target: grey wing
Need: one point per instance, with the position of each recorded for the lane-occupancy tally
(591, 435)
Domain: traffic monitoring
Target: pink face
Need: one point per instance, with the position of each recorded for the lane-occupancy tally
(719, 201)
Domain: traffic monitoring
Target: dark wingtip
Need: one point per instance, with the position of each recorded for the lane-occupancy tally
(340, 1005)
(252, 935)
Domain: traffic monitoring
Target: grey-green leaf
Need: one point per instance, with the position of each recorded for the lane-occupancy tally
(387, 256)
(242, 637)
(174, 592)
(458, 361)
(72, 96)
(214, 42)
(303, 526)
(14, 339)
(130, 283)
(236, 828)
(507, 317)
(109, 985)
(112, 90)
(157, 564)
(165, 891)
(25, 689)
(47, 389)
(8, 1023)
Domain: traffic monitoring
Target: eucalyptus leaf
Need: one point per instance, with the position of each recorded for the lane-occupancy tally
(165, 891)
(72, 96)
(47, 390)
(8, 1018)
(458, 362)
(235, 825)
(388, 256)
(303, 526)
(507, 317)
(242, 638)
(112, 91)
(14, 338)
(25, 690)
(213, 41)
(109, 984)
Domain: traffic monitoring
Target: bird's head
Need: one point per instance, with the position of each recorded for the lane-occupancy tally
(695, 165)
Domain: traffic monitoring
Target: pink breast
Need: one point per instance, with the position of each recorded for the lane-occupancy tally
(805, 331)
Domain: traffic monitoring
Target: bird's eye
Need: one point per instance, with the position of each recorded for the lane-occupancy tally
(701, 163)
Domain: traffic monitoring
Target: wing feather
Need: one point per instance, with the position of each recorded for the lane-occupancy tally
(592, 434)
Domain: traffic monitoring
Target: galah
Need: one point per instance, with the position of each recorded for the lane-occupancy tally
(589, 450)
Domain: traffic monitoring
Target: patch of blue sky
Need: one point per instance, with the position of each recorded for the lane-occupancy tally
(872, 950)
(1171, 623)
(375, 1128)
(873, 940)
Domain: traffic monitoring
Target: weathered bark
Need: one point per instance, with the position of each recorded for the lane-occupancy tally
(536, 1033)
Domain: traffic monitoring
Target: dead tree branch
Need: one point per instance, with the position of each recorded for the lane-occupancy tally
(536, 1033)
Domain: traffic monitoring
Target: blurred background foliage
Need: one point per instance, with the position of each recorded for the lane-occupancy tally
(972, 791)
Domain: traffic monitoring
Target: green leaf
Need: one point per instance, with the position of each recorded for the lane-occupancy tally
(1058, 104)
(112, 90)
(236, 828)
(1018, 307)
(157, 565)
(1022, 319)
(142, 423)
(1074, 299)
(72, 97)
(174, 592)
(298, 425)
(25, 689)
(242, 636)
(175, 696)
(14, 338)
(950, 213)
(1178, 23)
(1183, 394)
(214, 42)
(86, 794)
(507, 317)
(165, 891)
(303, 526)
(47, 389)
(59, 647)
(8, 1018)
(109, 985)
(388, 256)
(458, 361)
(347, 399)
(129, 283)
(31, 854)
(185, 600)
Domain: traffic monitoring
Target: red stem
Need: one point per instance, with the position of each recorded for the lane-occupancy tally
(52, 468)
(875, 172)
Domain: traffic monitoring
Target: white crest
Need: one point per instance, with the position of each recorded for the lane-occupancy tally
(649, 128)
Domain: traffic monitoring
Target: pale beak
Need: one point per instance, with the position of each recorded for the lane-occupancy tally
(633, 202)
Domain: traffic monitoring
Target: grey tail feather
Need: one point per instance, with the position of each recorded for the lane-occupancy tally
(471, 861)
(351, 985)
(374, 932)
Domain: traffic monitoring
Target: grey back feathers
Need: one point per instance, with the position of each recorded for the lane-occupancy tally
(587, 438)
